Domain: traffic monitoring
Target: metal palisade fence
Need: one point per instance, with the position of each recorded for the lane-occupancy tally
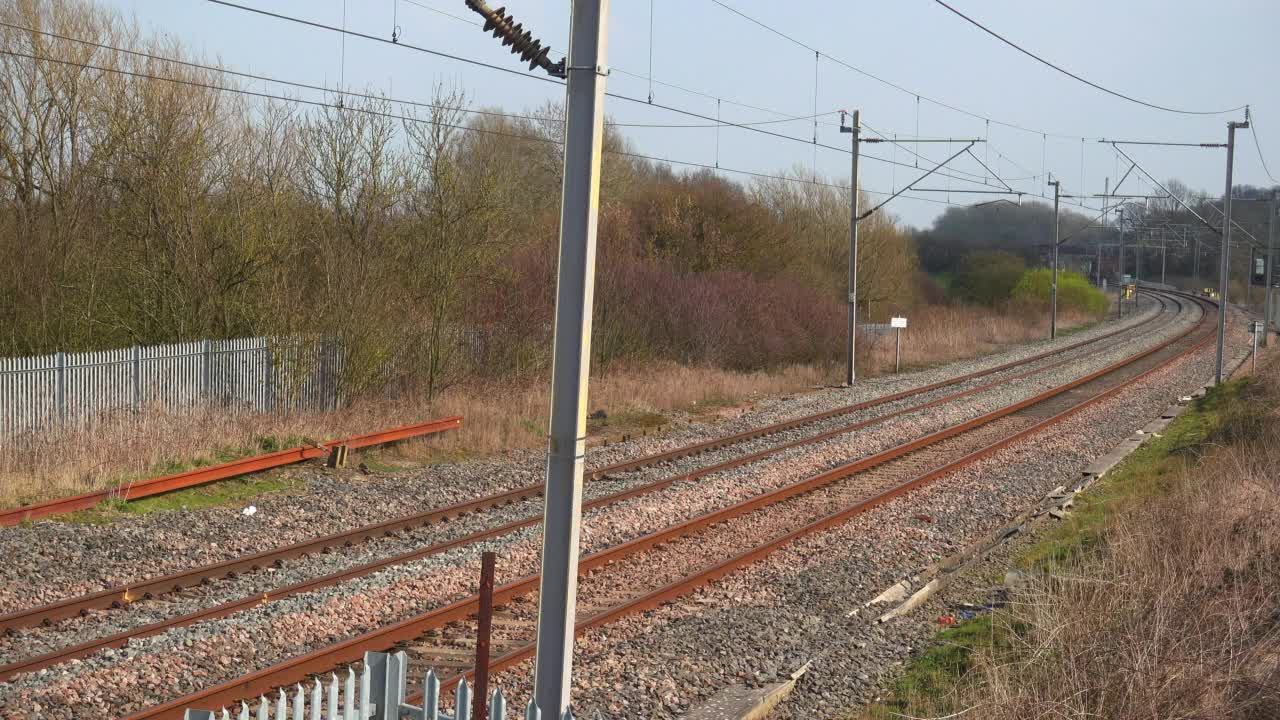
(376, 693)
(67, 390)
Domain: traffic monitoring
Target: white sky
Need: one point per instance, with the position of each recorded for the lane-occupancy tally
(1195, 55)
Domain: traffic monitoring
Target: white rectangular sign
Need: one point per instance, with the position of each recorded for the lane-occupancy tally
(898, 322)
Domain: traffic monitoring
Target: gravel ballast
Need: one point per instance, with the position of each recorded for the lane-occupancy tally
(181, 660)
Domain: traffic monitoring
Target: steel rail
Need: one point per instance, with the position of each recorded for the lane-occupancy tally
(715, 572)
(235, 468)
(717, 443)
(119, 639)
(120, 595)
(299, 668)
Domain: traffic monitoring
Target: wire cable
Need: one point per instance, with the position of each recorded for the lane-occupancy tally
(367, 96)
(985, 118)
(517, 73)
(418, 120)
(623, 71)
(1253, 123)
(651, 52)
(1070, 74)
(883, 81)
(902, 144)
(618, 96)
(398, 101)
(883, 134)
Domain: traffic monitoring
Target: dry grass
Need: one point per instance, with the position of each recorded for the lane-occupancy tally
(499, 416)
(939, 334)
(1174, 613)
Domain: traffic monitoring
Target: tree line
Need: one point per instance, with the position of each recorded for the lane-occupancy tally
(138, 210)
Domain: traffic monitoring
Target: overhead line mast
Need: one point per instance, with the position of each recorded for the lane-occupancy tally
(585, 71)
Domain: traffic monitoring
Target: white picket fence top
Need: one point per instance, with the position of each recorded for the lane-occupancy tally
(381, 696)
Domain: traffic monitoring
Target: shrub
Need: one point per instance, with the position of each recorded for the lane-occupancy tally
(1074, 291)
(987, 277)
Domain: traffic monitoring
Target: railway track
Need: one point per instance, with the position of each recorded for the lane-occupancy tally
(148, 589)
(607, 591)
(120, 639)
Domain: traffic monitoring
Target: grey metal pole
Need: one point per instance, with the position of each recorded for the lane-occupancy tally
(1195, 268)
(575, 286)
(1269, 279)
(1253, 364)
(1162, 254)
(897, 350)
(1120, 265)
(1137, 256)
(1248, 278)
(855, 130)
(1053, 285)
(1226, 249)
(1106, 191)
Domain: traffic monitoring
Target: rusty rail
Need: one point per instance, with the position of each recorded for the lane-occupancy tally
(752, 434)
(708, 575)
(146, 589)
(118, 596)
(351, 650)
(201, 476)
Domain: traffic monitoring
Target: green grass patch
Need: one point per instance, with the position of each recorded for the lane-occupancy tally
(928, 685)
(219, 493)
(443, 456)
(261, 446)
(712, 403)
(378, 463)
(628, 420)
(1147, 472)
(233, 491)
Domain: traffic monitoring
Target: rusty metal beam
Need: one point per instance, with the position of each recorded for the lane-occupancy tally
(235, 468)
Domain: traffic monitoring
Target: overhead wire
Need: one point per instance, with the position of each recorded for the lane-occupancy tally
(648, 78)
(902, 144)
(651, 55)
(419, 120)
(883, 81)
(884, 135)
(979, 116)
(343, 76)
(398, 101)
(1072, 75)
(713, 122)
(1253, 122)
(615, 95)
(368, 96)
(479, 63)
(438, 11)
